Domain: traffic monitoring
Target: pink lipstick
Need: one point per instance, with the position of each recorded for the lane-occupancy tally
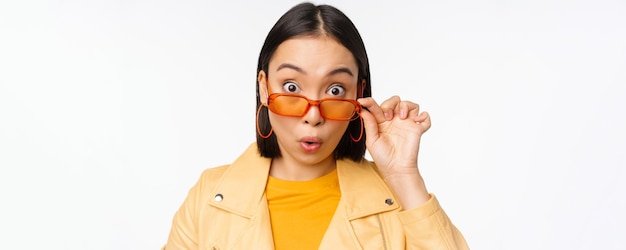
(310, 144)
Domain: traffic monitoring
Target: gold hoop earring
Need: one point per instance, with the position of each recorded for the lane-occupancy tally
(258, 128)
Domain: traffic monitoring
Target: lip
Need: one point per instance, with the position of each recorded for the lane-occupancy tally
(310, 144)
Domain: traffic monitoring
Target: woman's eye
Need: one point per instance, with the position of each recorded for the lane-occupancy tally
(291, 87)
(336, 90)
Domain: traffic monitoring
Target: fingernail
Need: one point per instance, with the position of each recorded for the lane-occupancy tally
(387, 116)
(403, 113)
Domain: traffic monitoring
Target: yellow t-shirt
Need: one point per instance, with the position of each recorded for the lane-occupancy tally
(300, 211)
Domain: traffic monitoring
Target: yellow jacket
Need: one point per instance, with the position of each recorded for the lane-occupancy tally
(227, 209)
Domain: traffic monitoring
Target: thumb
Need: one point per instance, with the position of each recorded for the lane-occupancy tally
(423, 120)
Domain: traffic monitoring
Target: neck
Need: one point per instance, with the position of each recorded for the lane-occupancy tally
(286, 169)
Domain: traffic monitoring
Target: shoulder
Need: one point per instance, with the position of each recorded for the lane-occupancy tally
(248, 168)
(212, 175)
(214, 172)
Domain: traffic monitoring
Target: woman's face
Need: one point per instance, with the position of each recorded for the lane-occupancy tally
(318, 68)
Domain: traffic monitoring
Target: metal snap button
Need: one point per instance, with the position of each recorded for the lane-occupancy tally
(389, 202)
(218, 197)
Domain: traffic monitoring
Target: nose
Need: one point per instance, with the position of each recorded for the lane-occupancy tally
(313, 116)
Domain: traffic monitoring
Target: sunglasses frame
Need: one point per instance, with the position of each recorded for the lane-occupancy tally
(356, 112)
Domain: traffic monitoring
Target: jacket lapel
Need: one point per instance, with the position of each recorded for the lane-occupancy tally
(243, 184)
(242, 188)
(363, 194)
(363, 190)
(242, 192)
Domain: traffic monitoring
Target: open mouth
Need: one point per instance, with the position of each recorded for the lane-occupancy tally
(310, 144)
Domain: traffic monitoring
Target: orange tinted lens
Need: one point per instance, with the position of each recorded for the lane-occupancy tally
(337, 109)
(289, 105)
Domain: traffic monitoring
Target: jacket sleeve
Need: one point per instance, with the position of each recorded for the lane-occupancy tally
(428, 227)
(184, 231)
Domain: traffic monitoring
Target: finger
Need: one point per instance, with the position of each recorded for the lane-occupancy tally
(423, 120)
(371, 127)
(408, 109)
(414, 109)
(390, 106)
(373, 108)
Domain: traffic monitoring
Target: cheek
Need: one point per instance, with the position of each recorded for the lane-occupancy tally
(280, 122)
(339, 128)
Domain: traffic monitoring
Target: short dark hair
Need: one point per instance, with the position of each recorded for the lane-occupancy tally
(315, 20)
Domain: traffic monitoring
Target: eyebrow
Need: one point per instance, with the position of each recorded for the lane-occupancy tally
(300, 70)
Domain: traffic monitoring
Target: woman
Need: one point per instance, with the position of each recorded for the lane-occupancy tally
(305, 184)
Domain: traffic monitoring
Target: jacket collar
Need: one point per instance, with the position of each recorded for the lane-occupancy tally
(363, 191)
(242, 186)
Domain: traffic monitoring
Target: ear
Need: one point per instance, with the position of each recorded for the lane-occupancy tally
(362, 88)
(262, 82)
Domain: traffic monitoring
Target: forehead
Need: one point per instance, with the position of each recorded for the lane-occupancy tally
(313, 53)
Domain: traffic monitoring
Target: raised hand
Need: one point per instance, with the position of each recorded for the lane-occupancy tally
(394, 130)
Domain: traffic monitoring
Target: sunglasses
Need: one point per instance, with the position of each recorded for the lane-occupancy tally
(298, 106)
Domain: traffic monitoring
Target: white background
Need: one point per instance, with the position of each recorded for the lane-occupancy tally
(110, 110)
